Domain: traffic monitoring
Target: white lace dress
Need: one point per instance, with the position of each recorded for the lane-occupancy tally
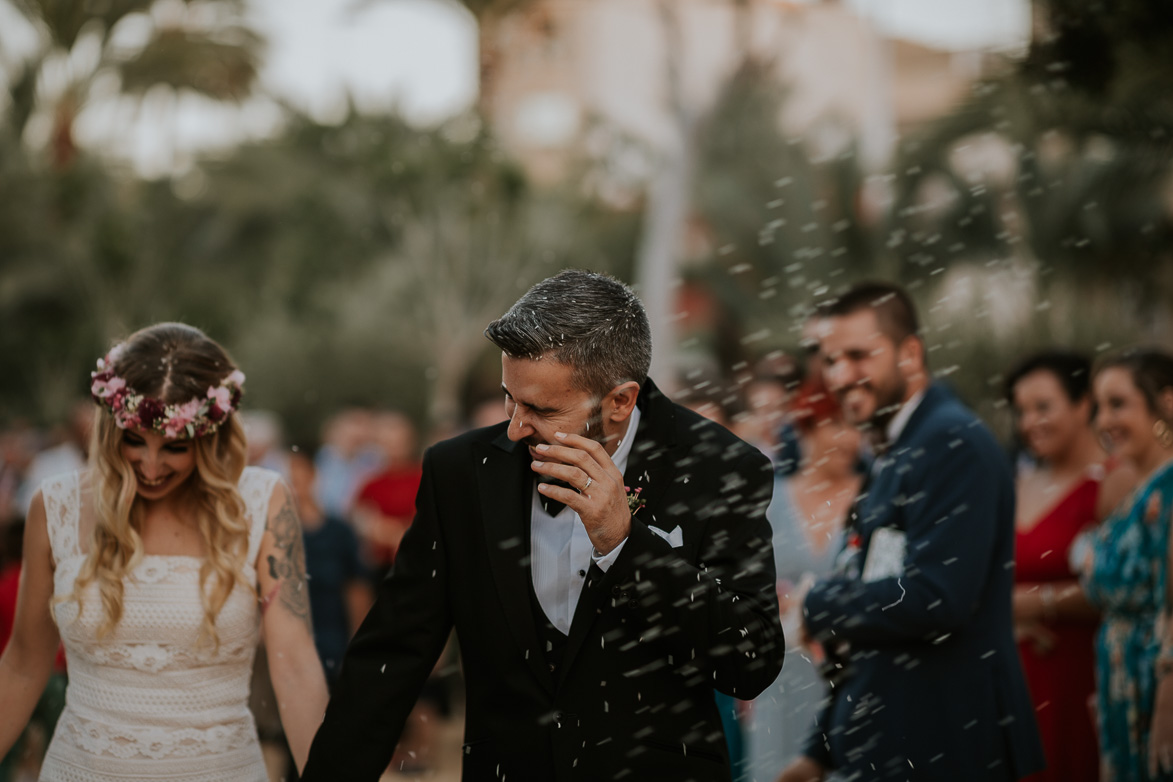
(145, 703)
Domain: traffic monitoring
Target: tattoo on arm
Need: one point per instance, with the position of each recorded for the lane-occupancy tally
(287, 563)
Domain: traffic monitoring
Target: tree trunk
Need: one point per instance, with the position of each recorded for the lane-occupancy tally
(64, 148)
(669, 199)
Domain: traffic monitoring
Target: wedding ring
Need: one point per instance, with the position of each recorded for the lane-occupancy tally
(590, 480)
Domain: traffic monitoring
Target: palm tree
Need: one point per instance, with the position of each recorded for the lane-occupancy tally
(198, 46)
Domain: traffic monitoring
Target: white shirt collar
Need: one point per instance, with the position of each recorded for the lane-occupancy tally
(900, 420)
(624, 449)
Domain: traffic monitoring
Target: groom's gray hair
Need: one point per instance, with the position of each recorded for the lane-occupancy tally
(590, 322)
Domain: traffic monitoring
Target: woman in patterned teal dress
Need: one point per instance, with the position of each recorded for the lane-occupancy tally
(1126, 573)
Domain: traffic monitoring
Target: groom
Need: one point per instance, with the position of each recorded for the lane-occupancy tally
(603, 556)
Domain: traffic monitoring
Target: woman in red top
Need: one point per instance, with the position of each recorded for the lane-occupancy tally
(1065, 491)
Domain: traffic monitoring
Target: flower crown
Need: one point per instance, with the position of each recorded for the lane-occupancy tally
(133, 410)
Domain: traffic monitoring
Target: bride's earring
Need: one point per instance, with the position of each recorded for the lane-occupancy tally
(1163, 433)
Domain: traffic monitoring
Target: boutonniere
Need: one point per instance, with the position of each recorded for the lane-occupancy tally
(634, 501)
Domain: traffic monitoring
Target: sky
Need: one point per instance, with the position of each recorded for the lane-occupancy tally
(422, 53)
(952, 24)
(418, 56)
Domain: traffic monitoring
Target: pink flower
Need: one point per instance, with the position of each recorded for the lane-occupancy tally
(634, 501)
(182, 417)
(222, 396)
(106, 387)
(235, 379)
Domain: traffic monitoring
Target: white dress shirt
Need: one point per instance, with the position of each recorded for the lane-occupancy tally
(562, 550)
(900, 420)
(896, 426)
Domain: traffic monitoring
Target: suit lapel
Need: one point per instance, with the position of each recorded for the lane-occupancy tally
(505, 492)
(650, 469)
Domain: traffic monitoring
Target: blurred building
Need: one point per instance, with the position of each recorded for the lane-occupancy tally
(564, 69)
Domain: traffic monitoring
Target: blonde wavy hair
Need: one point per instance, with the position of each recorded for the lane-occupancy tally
(172, 363)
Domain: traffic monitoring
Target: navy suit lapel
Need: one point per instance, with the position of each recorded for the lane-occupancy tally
(506, 492)
(883, 488)
(650, 469)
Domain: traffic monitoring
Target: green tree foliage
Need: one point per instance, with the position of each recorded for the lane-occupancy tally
(1085, 123)
(783, 225)
(202, 46)
(341, 264)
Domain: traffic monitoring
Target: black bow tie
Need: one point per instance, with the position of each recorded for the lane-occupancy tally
(550, 505)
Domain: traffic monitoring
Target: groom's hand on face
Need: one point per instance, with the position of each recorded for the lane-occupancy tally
(600, 501)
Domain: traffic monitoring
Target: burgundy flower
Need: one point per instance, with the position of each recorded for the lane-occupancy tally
(149, 411)
(215, 414)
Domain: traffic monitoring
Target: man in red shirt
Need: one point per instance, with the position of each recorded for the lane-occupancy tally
(385, 505)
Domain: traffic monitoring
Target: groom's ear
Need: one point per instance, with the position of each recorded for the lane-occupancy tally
(620, 401)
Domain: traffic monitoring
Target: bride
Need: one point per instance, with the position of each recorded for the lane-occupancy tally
(159, 567)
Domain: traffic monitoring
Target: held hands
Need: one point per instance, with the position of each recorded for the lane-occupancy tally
(600, 502)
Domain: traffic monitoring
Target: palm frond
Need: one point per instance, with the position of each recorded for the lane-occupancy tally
(221, 66)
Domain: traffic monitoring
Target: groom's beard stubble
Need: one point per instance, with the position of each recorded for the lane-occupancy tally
(889, 400)
(592, 429)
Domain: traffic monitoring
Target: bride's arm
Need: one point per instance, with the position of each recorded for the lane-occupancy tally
(296, 672)
(28, 658)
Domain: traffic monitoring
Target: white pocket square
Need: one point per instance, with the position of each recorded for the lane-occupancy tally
(675, 538)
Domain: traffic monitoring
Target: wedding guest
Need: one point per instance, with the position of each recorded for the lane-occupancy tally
(339, 581)
(1127, 571)
(385, 504)
(786, 456)
(915, 618)
(69, 452)
(160, 566)
(1062, 493)
(767, 391)
(806, 515)
(345, 460)
(18, 446)
(48, 708)
(603, 557)
(266, 441)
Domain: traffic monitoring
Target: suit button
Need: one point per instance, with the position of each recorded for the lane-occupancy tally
(616, 591)
(633, 603)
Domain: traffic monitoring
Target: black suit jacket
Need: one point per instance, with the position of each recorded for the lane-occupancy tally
(933, 689)
(649, 642)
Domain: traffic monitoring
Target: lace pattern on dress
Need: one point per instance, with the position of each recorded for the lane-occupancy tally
(147, 701)
(62, 514)
(153, 658)
(256, 488)
(156, 743)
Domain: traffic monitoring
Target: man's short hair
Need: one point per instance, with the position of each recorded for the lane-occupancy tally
(590, 322)
(895, 312)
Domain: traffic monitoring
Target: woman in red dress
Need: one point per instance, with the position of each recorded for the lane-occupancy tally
(1064, 492)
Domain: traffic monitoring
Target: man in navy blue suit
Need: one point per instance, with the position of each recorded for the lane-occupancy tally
(916, 619)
